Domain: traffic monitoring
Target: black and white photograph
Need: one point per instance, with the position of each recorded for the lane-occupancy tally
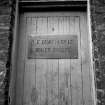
(52, 52)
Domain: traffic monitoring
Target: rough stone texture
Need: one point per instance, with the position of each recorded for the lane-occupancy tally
(98, 37)
(5, 26)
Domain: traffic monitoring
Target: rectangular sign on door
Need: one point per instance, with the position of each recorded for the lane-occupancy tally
(55, 47)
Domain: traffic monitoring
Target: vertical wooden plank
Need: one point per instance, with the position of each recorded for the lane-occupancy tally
(78, 72)
(33, 27)
(72, 74)
(52, 81)
(41, 81)
(64, 67)
(85, 62)
(64, 82)
(61, 92)
(52, 25)
(52, 65)
(30, 91)
(44, 26)
(60, 25)
(76, 80)
(92, 72)
(50, 30)
(41, 65)
(65, 26)
(30, 27)
(20, 62)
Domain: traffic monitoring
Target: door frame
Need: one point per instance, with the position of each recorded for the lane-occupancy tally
(34, 6)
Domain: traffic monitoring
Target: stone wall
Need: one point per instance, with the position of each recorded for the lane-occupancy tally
(5, 48)
(98, 37)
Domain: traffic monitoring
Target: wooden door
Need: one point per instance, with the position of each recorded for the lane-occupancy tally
(54, 81)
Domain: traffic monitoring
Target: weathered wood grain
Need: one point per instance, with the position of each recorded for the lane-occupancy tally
(56, 81)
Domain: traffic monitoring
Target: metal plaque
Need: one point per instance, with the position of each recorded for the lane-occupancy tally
(53, 47)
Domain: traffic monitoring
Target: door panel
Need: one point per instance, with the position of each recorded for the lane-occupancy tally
(53, 81)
